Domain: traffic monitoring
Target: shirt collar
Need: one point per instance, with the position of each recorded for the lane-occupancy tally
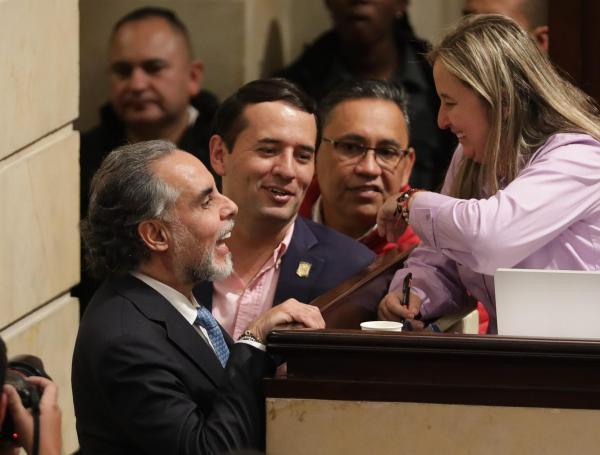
(188, 309)
(283, 246)
(192, 115)
(317, 215)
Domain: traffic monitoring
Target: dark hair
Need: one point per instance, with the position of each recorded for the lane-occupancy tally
(155, 11)
(229, 120)
(362, 89)
(124, 192)
(3, 361)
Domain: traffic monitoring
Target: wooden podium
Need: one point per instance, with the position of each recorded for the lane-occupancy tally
(437, 368)
(353, 392)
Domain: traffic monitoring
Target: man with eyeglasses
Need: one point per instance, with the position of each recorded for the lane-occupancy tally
(364, 158)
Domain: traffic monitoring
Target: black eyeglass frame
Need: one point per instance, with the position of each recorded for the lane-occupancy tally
(402, 153)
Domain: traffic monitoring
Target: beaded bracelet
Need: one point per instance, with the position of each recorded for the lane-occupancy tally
(402, 204)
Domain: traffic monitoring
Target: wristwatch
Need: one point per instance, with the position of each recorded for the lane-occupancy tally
(249, 336)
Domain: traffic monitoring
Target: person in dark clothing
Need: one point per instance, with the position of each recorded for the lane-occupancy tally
(154, 85)
(153, 372)
(97, 143)
(374, 40)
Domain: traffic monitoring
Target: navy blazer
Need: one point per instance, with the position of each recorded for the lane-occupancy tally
(144, 381)
(332, 257)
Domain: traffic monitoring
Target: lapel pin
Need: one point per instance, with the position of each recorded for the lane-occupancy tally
(303, 269)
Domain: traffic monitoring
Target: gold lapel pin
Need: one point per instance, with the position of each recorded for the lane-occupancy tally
(303, 269)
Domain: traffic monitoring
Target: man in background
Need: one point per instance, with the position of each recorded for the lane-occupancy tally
(154, 84)
(364, 157)
(263, 146)
(532, 15)
(373, 39)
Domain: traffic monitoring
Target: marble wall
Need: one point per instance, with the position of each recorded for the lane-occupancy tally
(323, 427)
(39, 186)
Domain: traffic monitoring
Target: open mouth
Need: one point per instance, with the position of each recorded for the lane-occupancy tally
(225, 233)
(279, 191)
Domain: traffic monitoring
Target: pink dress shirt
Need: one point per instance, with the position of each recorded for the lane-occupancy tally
(546, 218)
(236, 305)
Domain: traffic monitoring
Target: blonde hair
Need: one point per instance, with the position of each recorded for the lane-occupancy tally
(527, 99)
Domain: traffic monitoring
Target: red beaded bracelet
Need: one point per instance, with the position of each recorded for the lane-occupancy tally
(402, 203)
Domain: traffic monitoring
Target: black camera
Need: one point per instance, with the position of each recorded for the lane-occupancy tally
(18, 368)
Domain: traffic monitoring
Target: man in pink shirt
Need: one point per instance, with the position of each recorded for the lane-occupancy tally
(263, 146)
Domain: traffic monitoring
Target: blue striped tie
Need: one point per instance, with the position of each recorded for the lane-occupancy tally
(205, 319)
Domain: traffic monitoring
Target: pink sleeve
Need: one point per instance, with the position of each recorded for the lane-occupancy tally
(558, 188)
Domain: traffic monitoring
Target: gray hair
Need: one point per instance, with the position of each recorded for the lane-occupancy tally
(125, 192)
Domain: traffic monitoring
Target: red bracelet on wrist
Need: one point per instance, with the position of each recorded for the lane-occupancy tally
(402, 203)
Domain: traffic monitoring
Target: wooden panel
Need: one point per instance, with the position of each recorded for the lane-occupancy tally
(49, 333)
(437, 368)
(40, 69)
(575, 42)
(39, 203)
(356, 299)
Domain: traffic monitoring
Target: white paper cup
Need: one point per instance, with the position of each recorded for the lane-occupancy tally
(388, 326)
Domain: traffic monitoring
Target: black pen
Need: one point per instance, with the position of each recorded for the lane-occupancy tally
(406, 289)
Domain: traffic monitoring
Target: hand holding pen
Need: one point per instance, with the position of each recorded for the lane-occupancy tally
(410, 324)
(400, 305)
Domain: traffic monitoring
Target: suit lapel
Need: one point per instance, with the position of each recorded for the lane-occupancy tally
(158, 309)
(300, 267)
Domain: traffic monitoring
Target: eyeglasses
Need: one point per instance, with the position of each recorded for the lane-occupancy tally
(386, 157)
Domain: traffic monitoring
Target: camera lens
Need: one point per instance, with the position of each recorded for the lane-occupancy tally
(17, 370)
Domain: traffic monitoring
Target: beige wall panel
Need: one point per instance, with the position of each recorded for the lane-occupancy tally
(277, 32)
(49, 333)
(39, 51)
(432, 18)
(216, 28)
(39, 203)
(307, 21)
(326, 427)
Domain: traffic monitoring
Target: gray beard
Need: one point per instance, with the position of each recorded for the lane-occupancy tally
(202, 268)
(206, 270)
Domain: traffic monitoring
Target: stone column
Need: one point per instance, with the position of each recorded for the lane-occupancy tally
(39, 187)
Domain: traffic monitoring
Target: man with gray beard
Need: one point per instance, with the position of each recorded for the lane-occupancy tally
(152, 370)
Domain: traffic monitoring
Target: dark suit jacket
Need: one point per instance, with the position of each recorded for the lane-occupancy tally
(145, 382)
(333, 258)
